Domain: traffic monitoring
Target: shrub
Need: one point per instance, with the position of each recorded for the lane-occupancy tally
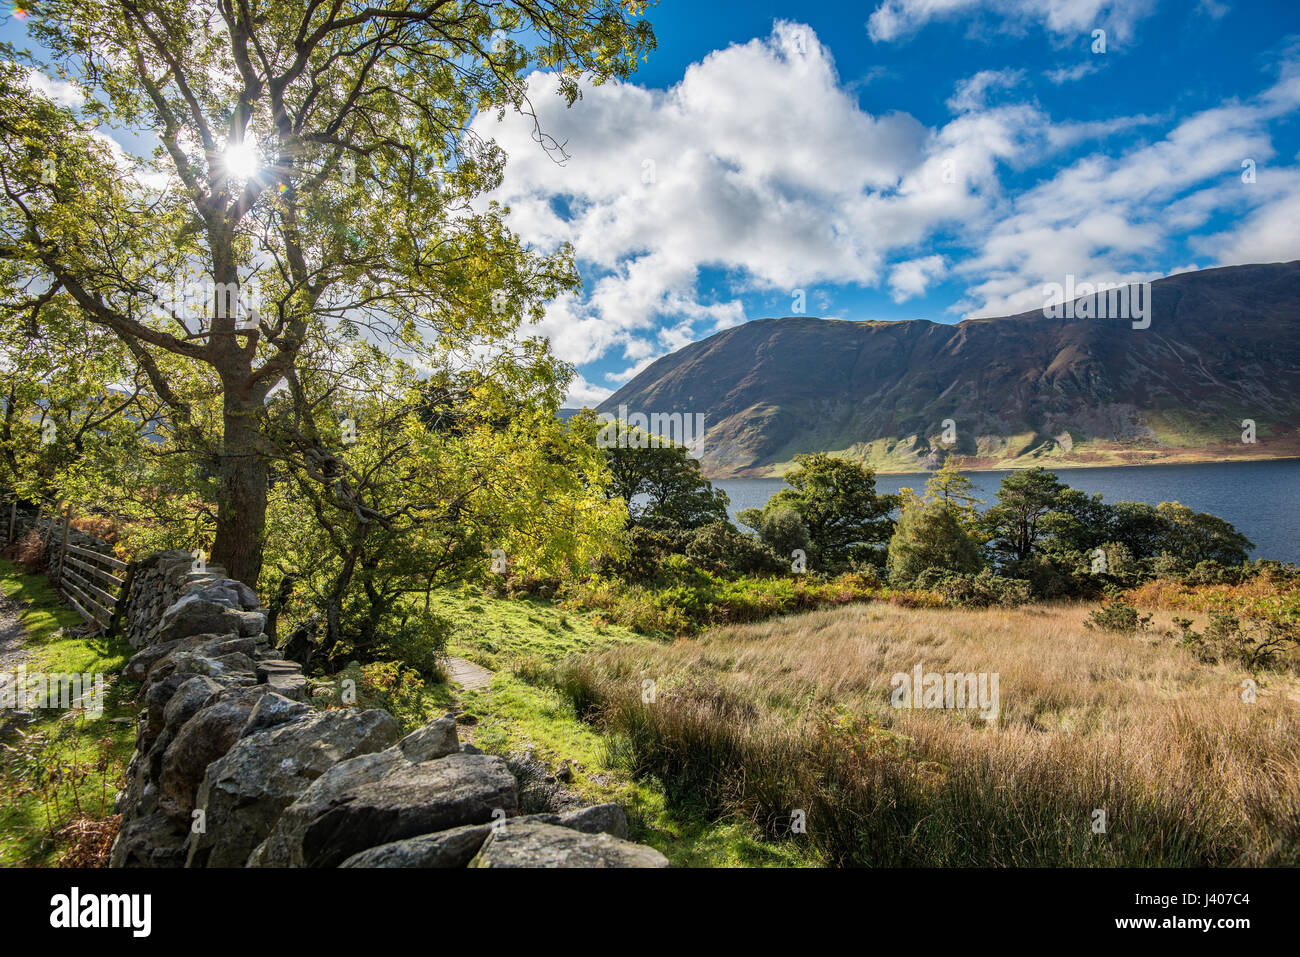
(976, 591)
(644, 551)
(30, 552)
(783, 531)
(699, 598)
(1252, 645)
(720, 548)
(394, 688)
(1118, 616)
(419, 641)
(100, 526)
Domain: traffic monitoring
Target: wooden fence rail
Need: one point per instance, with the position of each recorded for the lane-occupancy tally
(93, 583)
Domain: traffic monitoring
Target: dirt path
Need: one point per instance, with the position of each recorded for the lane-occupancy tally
(467, 674)
(12, 636)
(13, 655)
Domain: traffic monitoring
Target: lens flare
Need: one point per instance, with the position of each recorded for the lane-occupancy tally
(241, 160)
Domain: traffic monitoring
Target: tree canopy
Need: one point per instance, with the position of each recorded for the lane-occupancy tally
(315, 180)
(835, 500)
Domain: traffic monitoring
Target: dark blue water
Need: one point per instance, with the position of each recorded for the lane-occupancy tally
(1262, 499)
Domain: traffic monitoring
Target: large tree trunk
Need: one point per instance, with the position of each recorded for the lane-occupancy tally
(241, 508)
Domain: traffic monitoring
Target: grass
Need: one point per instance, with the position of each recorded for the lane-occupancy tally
(497, 633)
(754, 723)
(521, 639)
(59, 774)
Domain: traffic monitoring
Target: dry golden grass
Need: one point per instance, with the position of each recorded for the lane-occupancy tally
(1187, 771)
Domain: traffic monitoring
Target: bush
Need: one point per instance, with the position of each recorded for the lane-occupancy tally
(394, 688)
(783, 531)
(699, 598)
(721, 549)
(1211, 572)
(1252, 645)
(976, 591)
(29, 552)
(1118, 616)
(645, 550)
(419, 642)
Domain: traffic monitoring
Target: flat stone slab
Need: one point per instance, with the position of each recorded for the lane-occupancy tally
(467, 674)
(528, 844)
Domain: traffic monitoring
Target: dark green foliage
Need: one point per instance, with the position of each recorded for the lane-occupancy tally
(1118, 616)
(721, 549)
(1071, 545)
(783, 531)
(1198, 537)
(1016, 523)
(976, 591)
(647, 548)
(836, 501)
(931, 536)
(664, 484)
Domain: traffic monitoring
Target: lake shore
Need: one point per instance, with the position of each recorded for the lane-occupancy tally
(979, 464)
(1261, 497)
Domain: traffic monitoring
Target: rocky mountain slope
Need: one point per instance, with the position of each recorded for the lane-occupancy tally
(1223, 345)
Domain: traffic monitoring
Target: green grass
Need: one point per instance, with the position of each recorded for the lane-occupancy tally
(41, 759)
(513, 715)
(520, 639)
(498, 632)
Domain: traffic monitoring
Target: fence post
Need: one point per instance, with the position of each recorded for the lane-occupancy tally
(13, 519)
(63, 549)
(115, 621)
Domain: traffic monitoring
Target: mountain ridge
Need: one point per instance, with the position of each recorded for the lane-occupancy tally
(1223, 345)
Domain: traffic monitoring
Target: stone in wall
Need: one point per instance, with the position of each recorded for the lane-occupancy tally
(231, 768)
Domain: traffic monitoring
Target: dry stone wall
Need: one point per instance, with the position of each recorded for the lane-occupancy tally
(233, 766)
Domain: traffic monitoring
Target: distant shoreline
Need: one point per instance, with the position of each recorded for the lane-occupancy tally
(1050, 466)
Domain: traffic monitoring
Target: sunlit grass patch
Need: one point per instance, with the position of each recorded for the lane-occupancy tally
(63, 768)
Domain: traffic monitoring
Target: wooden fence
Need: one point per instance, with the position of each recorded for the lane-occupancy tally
(93, 583)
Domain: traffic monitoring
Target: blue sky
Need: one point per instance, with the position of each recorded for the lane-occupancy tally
(902, 159)
(803, 146)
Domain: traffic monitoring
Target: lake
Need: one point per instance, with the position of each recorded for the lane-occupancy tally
(1262, 499)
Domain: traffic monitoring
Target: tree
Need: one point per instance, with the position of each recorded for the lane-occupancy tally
(783, 531)
(1014, 523)
(315, 180)
(71, 408)
(931, 536)
(1196, 537)
(413, 491)
(659, 482)
(836, 501)
(1077, 522)
(1140, 527)
(953, 488)
(721, 549)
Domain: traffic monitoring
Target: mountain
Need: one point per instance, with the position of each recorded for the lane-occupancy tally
(1223, 345)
